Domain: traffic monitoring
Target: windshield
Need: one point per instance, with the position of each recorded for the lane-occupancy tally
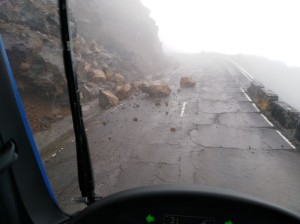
(172, 92)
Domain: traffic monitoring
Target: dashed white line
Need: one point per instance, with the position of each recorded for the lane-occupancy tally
(270, 123)
(242, 90)
(247, 77)
(183, 109)
(286, 139)
(256, 108)
(246, 95)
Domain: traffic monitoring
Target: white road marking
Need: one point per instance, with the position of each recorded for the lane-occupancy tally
(286, 139)
(243, 71)
(256, 108)
(247, 97)
(247, 77)
(183, 109)
(242, 90)
(270, 123)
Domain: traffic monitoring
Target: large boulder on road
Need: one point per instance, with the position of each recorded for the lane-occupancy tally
(107, 99)
(118, 79)
(89, 90)
(156, 88)
(187, 82)
(136, 85)
(97, 76)
(124, 91)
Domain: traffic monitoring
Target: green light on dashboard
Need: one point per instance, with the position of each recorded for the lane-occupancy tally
(150, 219)
(228, 222)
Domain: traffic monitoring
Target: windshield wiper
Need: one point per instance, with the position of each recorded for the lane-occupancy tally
(84, 165)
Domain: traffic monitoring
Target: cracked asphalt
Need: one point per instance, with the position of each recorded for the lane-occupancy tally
(221, 140)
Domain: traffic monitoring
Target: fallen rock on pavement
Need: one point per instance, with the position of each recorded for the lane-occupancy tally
(89, 90)
(107, 99)
(187, 82)
(122, 92)
(156, 88)
(136, 85)
(108, 73)
(118, 79)
(97, 76)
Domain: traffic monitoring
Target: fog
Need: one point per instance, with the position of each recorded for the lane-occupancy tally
(264, 28)
(267, 28)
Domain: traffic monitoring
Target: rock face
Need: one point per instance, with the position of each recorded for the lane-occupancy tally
(187, 82)
(156, 88)
(107, 99)
(123, 28)
(112, 41)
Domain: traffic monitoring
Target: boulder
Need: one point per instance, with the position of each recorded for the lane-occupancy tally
(136, 85)
(94, 47)
(108, 73)
(187, 82)
(107, 99)
(118, 79)
(107, 86)
(124, 91)
(89, 90)
(156, 88)
(97, 76)
(82, 70)
(24, 66)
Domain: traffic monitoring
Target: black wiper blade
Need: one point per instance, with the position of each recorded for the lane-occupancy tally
(84, 165)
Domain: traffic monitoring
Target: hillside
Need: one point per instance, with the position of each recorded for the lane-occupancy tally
(109, 37)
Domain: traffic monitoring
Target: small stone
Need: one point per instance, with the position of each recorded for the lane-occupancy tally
(157, 104)
(167, 113)
(172, 129)
(135, 119)
(104, 123)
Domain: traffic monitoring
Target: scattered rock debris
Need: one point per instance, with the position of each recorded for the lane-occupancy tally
(104, 123)
(157, 104)
(187, 82)
(172, 129)
(135, 119)
(167, 113)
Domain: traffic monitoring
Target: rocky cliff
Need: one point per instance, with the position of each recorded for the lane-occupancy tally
(109, 37)
(125, 29)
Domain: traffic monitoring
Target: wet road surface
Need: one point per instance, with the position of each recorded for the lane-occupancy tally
(209, 135)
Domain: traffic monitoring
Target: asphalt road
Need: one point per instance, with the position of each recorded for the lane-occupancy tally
(220, 139)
